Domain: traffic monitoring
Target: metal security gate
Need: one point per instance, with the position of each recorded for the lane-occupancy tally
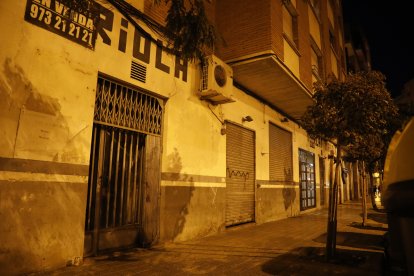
(115, 187)
(124, 120)
(307, 179)
(280, 155)
(240, 189)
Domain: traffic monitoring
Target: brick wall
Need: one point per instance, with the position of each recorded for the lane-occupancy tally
(210, 7)
(243, 28)
(254, 26)
(326, 48)
(276, 26)
(158, 12)
(305, 69)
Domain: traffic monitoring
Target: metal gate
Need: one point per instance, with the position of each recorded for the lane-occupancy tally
(123, 119)
(240, 186)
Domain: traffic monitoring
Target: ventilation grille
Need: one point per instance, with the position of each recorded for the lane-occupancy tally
(204, 77)
(138, 72)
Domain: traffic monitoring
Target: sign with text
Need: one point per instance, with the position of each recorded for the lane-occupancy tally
(54, 16)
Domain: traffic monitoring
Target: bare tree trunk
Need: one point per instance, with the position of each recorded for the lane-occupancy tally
(364, 195)
(331, 172)
(356, 181)
(351, 181)
(329, 232)
(340, 185)
(372, 191)
(333, 209)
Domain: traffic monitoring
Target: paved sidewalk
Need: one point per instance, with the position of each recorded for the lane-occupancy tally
(293, 246)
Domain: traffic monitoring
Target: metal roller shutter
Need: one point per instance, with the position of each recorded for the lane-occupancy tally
(240, 193)
(280, 155)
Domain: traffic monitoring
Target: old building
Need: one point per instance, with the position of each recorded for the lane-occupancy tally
(108, 141)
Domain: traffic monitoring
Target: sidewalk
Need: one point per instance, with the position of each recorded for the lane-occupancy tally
(293, 246)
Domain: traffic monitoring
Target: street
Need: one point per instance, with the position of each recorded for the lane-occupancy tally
(292, 246)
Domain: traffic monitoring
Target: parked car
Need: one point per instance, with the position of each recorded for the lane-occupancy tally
(398, 199)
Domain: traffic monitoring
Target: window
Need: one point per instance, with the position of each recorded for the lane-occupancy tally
(307, 179)
(316, 61)
(290, 23)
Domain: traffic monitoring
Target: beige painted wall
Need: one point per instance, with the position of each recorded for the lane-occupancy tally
(47, 88)
(34, 79)
(47, 85)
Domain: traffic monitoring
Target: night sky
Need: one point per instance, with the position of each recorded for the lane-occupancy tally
(389, 28)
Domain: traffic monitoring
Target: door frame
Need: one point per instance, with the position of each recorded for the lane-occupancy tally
(151, 171)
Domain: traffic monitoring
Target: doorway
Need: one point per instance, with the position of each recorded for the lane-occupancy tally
(124, 169)
(240, 181)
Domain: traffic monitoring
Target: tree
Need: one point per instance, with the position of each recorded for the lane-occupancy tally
(188, 30)
(349, 113)
(405, 101)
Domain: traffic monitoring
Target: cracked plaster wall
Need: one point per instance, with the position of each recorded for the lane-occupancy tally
(47, 90)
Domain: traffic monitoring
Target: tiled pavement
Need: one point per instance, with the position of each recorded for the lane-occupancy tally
(293, 246)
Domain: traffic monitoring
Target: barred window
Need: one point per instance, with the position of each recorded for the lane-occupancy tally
(122, 106)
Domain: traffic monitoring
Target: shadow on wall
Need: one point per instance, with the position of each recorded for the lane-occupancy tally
(18, 95)
(311, 261)
(33, 126)
(17, 91)
(174, 164)
(289, 196)
(185, 200)
(178, 197)
(289, 193)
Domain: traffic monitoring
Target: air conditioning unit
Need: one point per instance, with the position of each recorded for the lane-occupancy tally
(216, 81)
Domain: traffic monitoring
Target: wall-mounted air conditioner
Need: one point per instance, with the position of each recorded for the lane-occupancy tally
(216, 81)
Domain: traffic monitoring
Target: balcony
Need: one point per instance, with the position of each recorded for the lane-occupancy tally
(267, 77)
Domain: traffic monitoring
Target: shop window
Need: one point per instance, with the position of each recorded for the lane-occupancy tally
(307, 179)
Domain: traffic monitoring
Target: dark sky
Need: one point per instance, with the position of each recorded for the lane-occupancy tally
(389, 28)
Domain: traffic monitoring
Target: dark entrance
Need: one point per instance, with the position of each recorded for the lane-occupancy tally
(114, 211)
(124, 169)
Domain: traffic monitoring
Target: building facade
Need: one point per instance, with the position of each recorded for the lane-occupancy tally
(109, 142)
